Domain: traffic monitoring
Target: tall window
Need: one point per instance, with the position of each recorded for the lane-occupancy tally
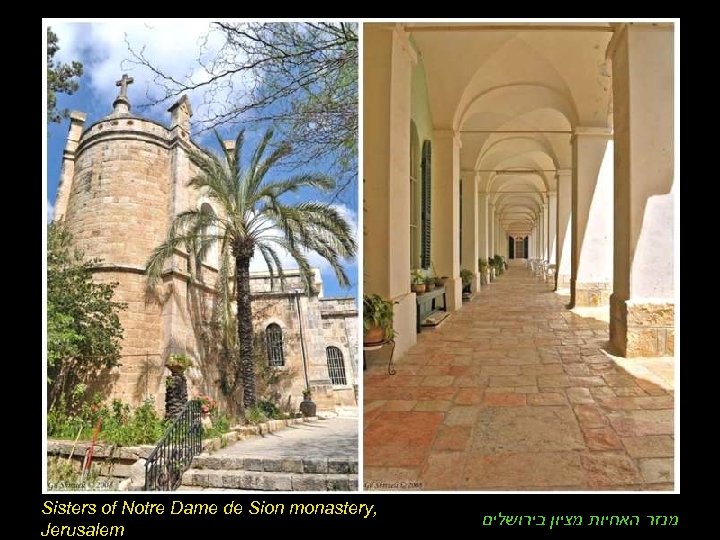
(274, 340)
(414, 197)
(426, 172)
(336, 365)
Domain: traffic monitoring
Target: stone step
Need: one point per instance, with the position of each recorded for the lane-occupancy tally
(267, 481)
(297, 465)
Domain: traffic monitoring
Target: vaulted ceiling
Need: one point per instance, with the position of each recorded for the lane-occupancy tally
(515, 93)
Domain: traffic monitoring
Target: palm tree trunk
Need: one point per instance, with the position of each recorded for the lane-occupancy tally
(244, 324)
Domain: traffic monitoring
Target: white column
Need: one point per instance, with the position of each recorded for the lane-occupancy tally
(483, 224)
(469, 249)
(564, 209)
(491, 230)
(592, 195)
(446, 212)
(642, 305)
(546, 230)
(386, 139)
(552, 227)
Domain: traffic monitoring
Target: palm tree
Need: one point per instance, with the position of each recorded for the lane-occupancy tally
(253, 217)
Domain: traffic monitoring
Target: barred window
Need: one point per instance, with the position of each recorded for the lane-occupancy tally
(336, 365)
(274, 341)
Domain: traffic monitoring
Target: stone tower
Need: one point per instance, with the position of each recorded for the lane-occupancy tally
(122, 181)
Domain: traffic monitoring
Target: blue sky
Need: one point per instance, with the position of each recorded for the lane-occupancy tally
(102, 47)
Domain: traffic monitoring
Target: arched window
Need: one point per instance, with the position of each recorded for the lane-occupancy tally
(274, 340)
(336, 365)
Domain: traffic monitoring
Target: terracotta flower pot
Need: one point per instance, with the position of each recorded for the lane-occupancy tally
(373, 335)
(418, 288)
(174, 368)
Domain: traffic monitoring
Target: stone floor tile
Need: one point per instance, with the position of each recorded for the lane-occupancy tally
(399, 405)
(515, 392)
(530, 470)
(602, 439)
(468, 396)
(504, 400)
(657, 470)
(452, 438)
(579, 395)
(649, 446)
(443, 471)
(526, 429)
(432, 405)
(461, 415)
(609, 468)
(546, 398)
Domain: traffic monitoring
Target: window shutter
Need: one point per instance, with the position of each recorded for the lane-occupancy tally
(426, 203)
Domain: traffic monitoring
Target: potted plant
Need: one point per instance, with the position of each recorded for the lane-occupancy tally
(499, 264)
(377, 319)
(466, 276)
(417, 281)
(178, 363)
(483, 267)
(439, 281)
(429, 283)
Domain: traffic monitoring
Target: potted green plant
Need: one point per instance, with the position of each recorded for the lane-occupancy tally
(499, 264)
(377, 319)
(466, 277)
(483, 268)
(429, 283)
(178, 363)
(439, 281)
(417, 281)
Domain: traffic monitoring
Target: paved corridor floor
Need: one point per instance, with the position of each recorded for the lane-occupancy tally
(515, 392)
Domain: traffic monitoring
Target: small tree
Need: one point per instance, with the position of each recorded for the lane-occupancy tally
(254, 217)
(60, 78)
(84, 331)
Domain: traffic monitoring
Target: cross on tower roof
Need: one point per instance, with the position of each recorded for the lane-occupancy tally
(123, 84)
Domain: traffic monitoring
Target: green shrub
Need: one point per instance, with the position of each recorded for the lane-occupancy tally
(255, 415)
(220, 425)
(271, 410)
(120, 426)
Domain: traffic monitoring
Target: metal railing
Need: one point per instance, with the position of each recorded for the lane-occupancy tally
(174, 453)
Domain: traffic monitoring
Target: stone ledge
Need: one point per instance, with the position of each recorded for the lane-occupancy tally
(67, 448)
(291, 464)
(268, 481)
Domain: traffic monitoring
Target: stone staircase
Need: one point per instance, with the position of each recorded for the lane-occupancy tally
(272, 474)
(276, 457)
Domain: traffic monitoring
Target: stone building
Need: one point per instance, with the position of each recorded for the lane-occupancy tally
(123, 179)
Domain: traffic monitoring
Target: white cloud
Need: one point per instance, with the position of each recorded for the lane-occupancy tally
(174, 46)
